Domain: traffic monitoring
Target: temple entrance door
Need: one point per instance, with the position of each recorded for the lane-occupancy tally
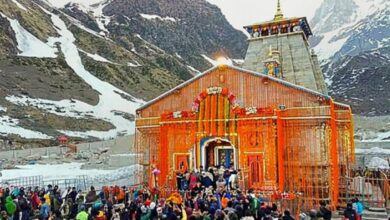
(224, 156)
(255, 170)
(218, 152)
(182, 161)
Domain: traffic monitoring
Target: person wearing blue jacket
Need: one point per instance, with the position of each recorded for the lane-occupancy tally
(358, 207)
(45, 209)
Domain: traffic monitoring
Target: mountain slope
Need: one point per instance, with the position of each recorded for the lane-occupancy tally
(177, 28)
(352, 38)
(82, 70)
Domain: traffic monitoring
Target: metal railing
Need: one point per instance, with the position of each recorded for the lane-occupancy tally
(80, 182)
(372, 192)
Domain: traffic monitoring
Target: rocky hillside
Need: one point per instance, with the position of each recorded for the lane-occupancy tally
(352, 37)
(83, 69)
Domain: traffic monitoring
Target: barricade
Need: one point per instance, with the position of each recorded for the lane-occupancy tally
(80, 182)
(373, 192)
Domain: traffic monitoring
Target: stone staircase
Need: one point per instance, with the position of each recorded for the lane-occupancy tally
(375, 214)
(368, 214)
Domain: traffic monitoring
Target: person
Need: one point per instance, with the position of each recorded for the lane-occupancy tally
(349, 213)
(10, 207)
(45, 209)
(358, 207)
(73, 194)
(24, 208)
(206, 179)
(66, 208)
(179, 177)
(325, 212)
(91, 196)
(3, 215)
(82, 215)
(287, 215)
(313, 214)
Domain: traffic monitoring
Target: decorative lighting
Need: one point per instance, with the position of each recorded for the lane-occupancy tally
(222, 61)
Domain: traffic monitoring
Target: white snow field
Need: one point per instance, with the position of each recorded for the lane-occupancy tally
(377, 162)
(374, 150)
(10, 126)
(28, 44)
(335, 39)
(94, 6)
(110, 99)
(71, 171)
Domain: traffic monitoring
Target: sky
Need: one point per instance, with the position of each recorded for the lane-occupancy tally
(244, 12)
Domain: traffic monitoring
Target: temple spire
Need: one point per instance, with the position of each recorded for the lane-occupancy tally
(279, 14)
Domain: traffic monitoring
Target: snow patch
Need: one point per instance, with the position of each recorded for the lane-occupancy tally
(62, 3)
(94, 6)
(378, 137)
(68, 171)
(327, 48)
(239, 61)
(10, 126)
(379, 163)
(28, 44)
(374, 150)
(81, 26)
(193, 69)
(366, 9)
(152, 17)
(136, 64)
(3, 109)
(101, 19)
(110, 98)
(178, 56)
(97, 57)
(19, 5)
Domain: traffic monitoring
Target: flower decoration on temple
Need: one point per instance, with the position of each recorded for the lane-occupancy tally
(214, 91)
(250, 110)
(175, 198)
(156, 171)
(283, 196)
(321, 99)
(253, 111)
(177, 115)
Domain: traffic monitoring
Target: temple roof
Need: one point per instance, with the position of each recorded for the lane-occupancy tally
(288, 84)
(280, 20)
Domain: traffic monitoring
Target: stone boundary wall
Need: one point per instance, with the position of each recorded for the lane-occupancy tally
(116, 146)
(368, 145)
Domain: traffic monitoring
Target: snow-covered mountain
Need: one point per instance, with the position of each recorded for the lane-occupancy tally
(352, 38)
(82, 67)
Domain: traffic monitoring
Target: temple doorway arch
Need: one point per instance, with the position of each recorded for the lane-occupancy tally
(217, 151)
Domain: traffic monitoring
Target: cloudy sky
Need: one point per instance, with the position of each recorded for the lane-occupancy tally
(244, 12)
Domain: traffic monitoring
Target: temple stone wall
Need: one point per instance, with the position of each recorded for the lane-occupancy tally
(298, 64)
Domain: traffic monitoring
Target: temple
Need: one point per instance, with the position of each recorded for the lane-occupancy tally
(288, 39)
(272, 120)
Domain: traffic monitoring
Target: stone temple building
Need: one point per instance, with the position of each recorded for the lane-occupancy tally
(283, 42)
(271, 120)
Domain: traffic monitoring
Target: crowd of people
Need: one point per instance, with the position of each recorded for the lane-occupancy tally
(370, 172)
(207, 194)
(354, 210)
